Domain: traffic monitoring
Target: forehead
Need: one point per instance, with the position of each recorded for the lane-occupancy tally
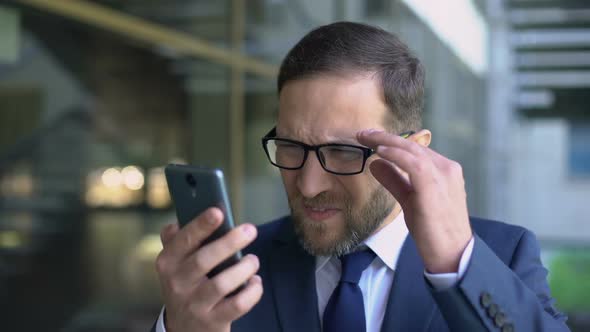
(330, 107)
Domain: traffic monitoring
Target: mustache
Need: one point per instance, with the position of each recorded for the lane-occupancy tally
(322, 200)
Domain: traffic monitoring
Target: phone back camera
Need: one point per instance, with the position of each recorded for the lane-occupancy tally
(190, 179)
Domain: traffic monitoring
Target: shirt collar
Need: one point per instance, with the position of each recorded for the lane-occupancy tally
(386, 243)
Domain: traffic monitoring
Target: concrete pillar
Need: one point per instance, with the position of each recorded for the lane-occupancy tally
(500, 113)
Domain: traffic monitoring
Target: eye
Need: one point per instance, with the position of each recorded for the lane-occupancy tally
(342, 153)
(288, 150)
(286, 146)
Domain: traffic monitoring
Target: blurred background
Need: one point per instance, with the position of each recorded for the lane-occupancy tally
(97, 96)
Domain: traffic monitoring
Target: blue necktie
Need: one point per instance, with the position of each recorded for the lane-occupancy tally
(345, 310)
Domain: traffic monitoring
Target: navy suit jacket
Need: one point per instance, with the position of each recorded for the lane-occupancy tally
(504, 287)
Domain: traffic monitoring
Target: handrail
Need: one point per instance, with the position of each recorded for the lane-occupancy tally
(155, 34)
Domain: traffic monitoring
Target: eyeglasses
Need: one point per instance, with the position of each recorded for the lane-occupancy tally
(335, 158)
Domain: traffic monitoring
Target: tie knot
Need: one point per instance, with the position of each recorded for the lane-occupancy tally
(354, 264)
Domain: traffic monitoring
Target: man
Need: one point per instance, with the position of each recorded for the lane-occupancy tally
(379, 237)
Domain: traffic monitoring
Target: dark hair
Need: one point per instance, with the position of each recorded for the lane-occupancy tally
(347, 47)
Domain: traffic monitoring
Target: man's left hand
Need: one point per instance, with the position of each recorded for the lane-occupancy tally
(431, 191)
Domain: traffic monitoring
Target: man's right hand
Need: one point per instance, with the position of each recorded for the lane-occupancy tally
(193, 301)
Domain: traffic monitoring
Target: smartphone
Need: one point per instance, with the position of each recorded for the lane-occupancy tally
(195, 189)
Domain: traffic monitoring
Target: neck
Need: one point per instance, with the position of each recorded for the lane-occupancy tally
(397, 209)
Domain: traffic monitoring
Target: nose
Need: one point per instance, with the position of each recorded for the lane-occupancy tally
(312, 178)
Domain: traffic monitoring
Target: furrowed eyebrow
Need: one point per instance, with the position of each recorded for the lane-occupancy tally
(330, 140)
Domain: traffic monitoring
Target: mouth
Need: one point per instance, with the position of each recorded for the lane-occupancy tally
(320, 213)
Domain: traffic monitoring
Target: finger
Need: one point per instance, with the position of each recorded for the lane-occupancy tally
(214, 290)
(374, 138)
(391, 179)
(419, 168)
(190, 237)
(209, 256)
(232, 308)
(168, 232)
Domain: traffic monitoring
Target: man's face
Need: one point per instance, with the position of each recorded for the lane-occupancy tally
(333, 213)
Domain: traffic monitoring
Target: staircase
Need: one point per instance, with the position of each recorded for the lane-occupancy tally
(41, 226)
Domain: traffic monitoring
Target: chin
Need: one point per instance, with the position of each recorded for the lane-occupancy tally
(319, 246)
(321, 231)
(318, 237)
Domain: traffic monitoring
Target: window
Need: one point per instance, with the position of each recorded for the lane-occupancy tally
(579, 149)
(377, 8)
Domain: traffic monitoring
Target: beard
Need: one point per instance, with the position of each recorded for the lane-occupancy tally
(358, 225)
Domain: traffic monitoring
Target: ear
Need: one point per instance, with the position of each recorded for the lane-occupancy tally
(422, 137)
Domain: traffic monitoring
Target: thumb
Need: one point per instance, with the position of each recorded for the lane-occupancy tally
(386, 173)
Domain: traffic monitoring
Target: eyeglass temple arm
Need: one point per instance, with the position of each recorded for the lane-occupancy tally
(407, 134)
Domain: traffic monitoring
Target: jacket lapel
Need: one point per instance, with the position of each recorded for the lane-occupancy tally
(410, 306)
(292, 274)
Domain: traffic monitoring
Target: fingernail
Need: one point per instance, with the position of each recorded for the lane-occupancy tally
(253, 259)
(249, 230)
(213, 216)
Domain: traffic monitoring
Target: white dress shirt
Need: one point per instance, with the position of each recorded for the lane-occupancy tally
(376, 280)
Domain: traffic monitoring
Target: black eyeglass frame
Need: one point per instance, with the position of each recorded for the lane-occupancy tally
(367, 152)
